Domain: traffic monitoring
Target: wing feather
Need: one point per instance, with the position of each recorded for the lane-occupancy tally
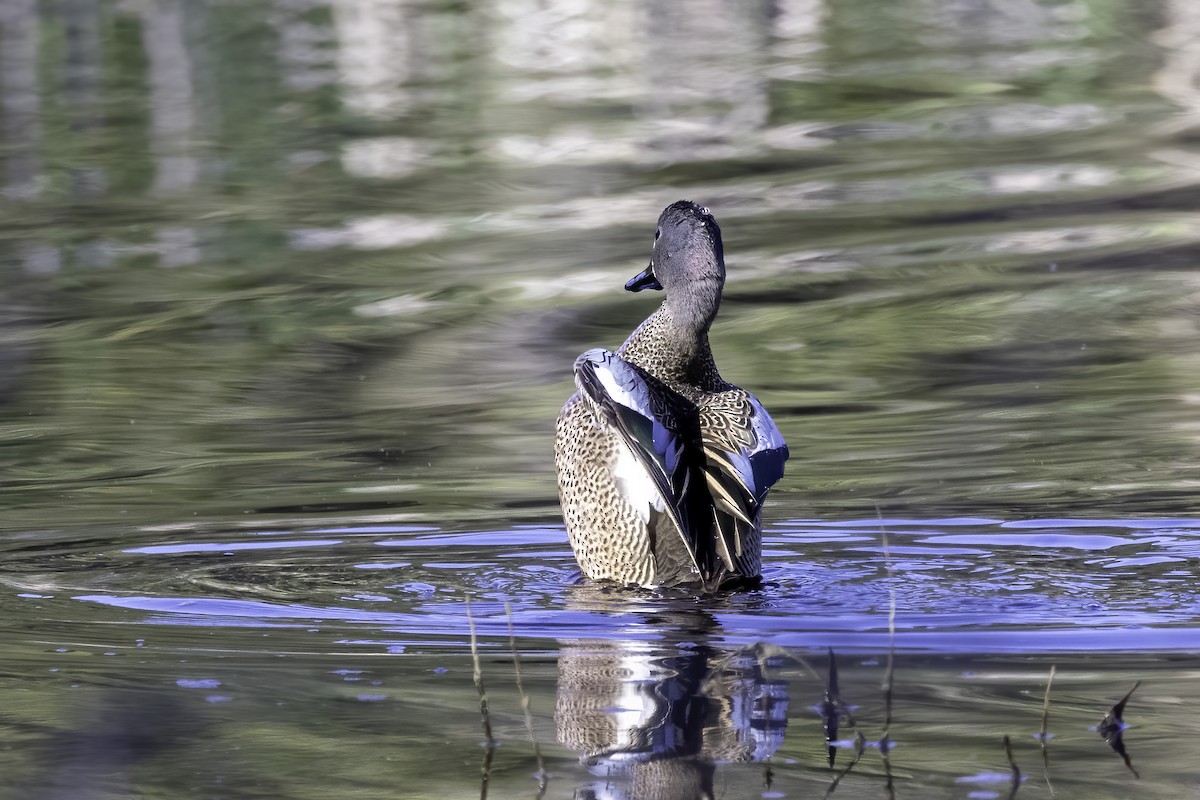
(623, 395)
(744, 454)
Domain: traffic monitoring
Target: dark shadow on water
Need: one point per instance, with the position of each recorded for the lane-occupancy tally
(114, 735)
(1113, 726)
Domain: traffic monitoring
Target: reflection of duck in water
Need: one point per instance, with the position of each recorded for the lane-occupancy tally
(652, 718)
(663, 467)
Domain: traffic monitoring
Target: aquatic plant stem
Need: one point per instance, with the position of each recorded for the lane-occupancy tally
(860, 747)
(489, 740)
(542, 777)
(1015, 781)
(1044, 735)
(888, 686)
(763, 667)
(889, 673)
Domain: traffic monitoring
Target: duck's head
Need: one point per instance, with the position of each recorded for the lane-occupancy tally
(688, 262)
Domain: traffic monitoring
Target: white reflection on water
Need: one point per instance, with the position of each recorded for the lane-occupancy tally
(385, 157)
(1177, 80)
(173, 113)
(374, 55)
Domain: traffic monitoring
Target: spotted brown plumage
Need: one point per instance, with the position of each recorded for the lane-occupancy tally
(663, 466)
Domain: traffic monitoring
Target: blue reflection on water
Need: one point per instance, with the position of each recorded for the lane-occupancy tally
(1028, 586)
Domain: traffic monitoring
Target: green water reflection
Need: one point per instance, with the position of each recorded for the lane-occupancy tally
(288, 265)
(961, 251)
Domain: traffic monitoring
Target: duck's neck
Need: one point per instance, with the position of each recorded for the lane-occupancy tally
(674, 350)
(694, 307)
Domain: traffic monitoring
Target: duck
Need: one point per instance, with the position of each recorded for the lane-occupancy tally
(663, 466)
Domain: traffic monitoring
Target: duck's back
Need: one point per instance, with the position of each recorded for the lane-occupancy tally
(663, 484)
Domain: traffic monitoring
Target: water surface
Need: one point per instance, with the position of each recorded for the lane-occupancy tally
(290, 295)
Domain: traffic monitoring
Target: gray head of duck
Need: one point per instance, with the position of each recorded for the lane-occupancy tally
(688, 262)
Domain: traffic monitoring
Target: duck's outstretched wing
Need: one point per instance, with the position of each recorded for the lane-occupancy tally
(663, 435)
(744, 453)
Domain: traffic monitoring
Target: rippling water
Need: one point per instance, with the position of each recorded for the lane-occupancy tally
(959, 585)
(290, 295)
(262, 638)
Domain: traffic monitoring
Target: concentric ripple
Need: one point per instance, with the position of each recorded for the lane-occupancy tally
(962, 585)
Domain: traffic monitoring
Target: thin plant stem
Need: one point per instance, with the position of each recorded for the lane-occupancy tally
(543, 779)
(1044, 734)
(1015, 781)
(860, 747)
(889, 672)
(489, 740)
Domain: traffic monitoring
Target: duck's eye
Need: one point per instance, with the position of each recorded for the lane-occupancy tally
(657, 234)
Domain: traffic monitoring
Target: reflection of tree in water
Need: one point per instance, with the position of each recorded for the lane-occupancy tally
(20, 101)
(1179, 78)
(652, 719)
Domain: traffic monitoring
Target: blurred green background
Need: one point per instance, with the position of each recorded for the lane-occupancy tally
(306, 257)
(290, 291)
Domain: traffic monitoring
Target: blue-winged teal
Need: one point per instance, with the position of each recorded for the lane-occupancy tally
(663, 467)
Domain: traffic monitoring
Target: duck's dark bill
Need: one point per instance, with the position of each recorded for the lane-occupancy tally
(643, 280)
